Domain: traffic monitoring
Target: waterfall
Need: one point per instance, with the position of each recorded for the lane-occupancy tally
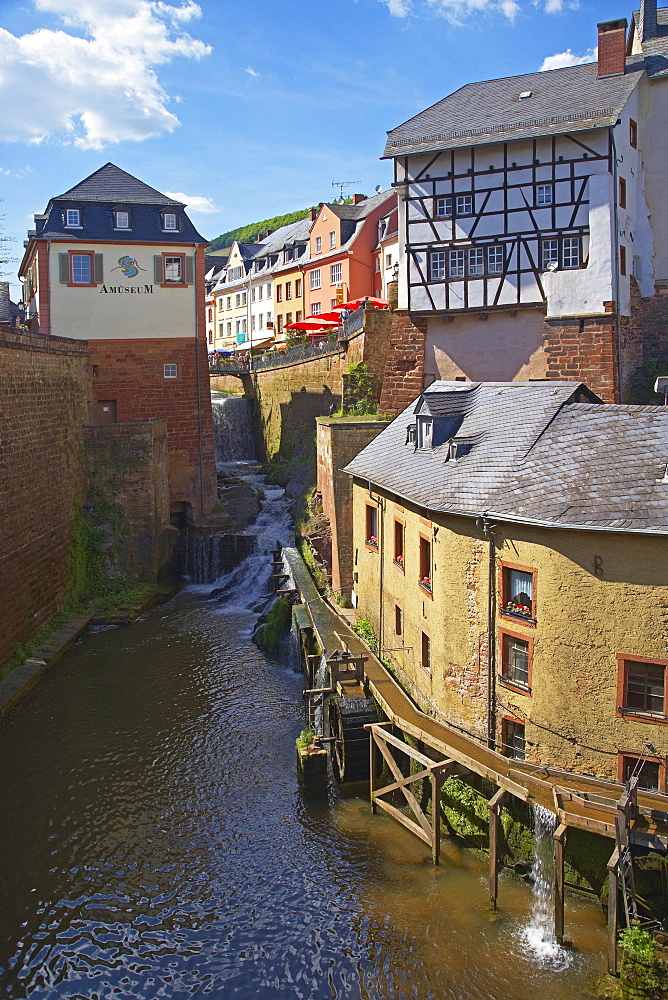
(288, 649)
(202, 557)
(321, 721)
(232, 428)
(539, 934)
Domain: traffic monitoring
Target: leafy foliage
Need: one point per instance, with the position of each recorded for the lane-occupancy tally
(249, 233)
(366, 632)
(641, 383)
(305, 739)
(276, 626)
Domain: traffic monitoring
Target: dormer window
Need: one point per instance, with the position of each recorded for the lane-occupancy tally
(410, 434)
(425, 427)
(73, 218)
(169, 221)
(121, 220)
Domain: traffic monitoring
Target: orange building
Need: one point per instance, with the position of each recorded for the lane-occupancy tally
(343, 240)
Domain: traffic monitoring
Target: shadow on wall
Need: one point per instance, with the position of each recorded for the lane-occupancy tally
(296, 420)
(502, 348)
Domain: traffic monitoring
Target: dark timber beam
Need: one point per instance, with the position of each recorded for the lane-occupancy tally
(613, 911)
(560, 835)
(494, 805)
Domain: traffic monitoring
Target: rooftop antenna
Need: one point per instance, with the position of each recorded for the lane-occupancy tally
(343, 184)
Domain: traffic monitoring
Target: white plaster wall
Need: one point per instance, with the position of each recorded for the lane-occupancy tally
(500, 348)
(652, 208)
(90, 313)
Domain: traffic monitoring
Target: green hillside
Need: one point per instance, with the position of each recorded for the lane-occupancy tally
(247, 234)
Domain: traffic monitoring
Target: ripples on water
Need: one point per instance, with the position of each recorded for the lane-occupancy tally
(155, 842)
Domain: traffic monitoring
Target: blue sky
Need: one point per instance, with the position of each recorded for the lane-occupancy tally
(250, 108)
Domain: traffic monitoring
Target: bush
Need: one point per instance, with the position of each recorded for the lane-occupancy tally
(366, 632)
(279, 619)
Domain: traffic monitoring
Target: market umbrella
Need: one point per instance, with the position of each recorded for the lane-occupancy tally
(312, 323)
(356, 303)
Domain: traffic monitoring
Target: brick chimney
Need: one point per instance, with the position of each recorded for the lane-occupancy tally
(357, 198)
(313, 214)
(612, 48)
(648, 21)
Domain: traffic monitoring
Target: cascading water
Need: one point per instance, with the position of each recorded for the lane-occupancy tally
(202, 557)
(539, 935)
(232, 428)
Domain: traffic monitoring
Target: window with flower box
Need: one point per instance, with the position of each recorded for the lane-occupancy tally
(399, 544)
(424, 579)
(518, 593)
(516, 661)
(641, 688)
(371, 536)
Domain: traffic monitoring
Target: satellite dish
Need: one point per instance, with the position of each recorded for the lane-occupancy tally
(379, 188)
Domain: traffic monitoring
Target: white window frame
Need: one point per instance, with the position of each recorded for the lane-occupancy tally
(549, 253)
(118, 220)
(316, 308)
(544, 194)
(476, 262)
(496, 259)
(170, 370)
(570, 252)
(464, 204)
(318, 244)
(315, 279)
(443, 208)
(336, 273)
(437, 265)
(456, 263)
(77, 276)
(332, 240)
(169, 222)
(70, 223)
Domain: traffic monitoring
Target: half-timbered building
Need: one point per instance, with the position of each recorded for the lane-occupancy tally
(531, 220)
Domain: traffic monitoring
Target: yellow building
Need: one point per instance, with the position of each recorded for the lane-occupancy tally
(510, 546)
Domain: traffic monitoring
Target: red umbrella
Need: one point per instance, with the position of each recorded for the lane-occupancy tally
(356, 303)
(312, 323)
(330, 317)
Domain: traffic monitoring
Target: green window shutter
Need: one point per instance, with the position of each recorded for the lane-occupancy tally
(98, 268)
(158, 270)
(190, 270)
(64, 265)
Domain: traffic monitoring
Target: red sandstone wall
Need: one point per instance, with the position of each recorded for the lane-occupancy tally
(44, 393)
(404, 369)
(584, 350)
(132, 373)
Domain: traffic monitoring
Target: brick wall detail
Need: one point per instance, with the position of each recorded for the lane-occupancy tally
(404, 367)
(132, 373)
(584, 350)
(44, 397)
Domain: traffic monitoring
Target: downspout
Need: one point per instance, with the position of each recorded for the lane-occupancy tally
(615, 188)
(198, 380)
(488, 533)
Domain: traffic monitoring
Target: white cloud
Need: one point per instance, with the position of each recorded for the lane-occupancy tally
(459, 11)
(100, 85)
(251, 71)
(568, 58)
(399, 8)
(195, 202)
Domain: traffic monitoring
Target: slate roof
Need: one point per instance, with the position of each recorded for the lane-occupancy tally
(98, 195)
(538, 454)
(655, 50)
(111, 184)
(275, 243)
(563, 100)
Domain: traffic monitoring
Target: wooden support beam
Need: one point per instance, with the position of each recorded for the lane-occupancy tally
(559, 854)
(437, 778)
(613, 911)
(494, 805)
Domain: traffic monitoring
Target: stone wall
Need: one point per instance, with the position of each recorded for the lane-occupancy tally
(339, 441)
(128, 464)
(584, 350)
(404, 368)
(44, 403)
(131, 372)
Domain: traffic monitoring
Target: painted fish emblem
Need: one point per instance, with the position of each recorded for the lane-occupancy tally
(129, 266)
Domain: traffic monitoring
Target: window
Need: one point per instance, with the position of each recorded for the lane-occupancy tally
(169, 221)
(512, 735)
(425, 651)
(456, 263)
(171, 371)
(515, 660)
(622, 193)
(237, 300)
(229, 302)
(298, 287)
(495, 259)
(253, 321)
(425, 429)
(544, 194)
(332, 303)
(464, 204)
(253, 294)
(298, 317)
(81, 269)
(122, 220)
(443, 208)
(425, 563)
(571, 252)
(260, 321)
(280, 324)
(642, 687)
(288, 289)
(476, 261)
(398, 620)
(651, 774)
(174, 270)
(622, 260)
(269, 290)
(371, 536)
(210, 337)
(335, 274)
(399, 544)
(288, 319)
(314, 278)
(633, 133)
(436, 262)
(378, 263)
(260, 292)
(229, 329)
(316, 308)
(332, 240)
(550, 254)
(279, 293)
(517, 593)
(210, 312)
(73, 217)
(318, 244)
(388, 260)
(269, 320)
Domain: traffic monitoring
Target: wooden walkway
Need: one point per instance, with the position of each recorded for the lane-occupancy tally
(578, 801)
